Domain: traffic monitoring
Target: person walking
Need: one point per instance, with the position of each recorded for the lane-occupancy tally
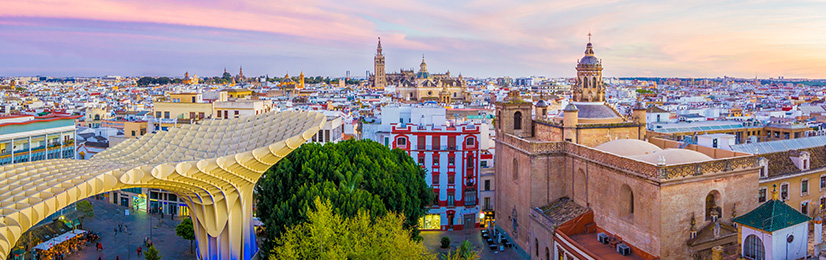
(139, 250)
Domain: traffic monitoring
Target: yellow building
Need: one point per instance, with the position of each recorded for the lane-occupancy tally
(289, 84)
(190, 80)
(800, 175)
(238, 93)
(180, 108)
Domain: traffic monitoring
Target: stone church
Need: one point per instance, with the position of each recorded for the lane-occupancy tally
(587, 184)
(421, 85)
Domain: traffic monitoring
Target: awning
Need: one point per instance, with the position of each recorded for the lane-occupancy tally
(59, 239)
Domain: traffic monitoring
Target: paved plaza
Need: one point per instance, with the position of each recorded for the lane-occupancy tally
(123, 245)
(432, 242)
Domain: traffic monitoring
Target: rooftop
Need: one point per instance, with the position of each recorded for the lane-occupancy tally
(701, 126)
(780, 145)
(771, 216)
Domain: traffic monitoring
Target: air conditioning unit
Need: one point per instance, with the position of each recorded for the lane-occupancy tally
(623, 249)
(602, 238)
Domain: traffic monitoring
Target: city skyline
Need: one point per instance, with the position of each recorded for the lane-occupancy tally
(475, 38)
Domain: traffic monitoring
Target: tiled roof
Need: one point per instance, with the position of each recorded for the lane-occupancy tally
(563, 210)
(595, 110)
(772, 216)
(780, 163)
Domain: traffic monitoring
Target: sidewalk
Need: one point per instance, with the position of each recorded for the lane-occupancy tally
(123, 245)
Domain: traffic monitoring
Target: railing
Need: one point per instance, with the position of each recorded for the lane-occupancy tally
(164, 120)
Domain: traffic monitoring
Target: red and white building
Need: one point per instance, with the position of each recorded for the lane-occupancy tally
(452, 154)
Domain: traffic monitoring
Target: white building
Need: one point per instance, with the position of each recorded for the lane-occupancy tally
(774, 230)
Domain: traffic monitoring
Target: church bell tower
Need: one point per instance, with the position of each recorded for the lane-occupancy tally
(379, 78)
(589, 86)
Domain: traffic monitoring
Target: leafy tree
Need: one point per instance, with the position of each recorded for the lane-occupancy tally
(226, 76)
(327, 235)
(464, 252)
(86, 208)
(152, 253)
(186, 231)
(352, 175)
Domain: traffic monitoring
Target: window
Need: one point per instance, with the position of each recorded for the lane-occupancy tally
(437, 142)
(804, 186)
(471, 141)
(450, 178)
(804, 208)
(226, 114)
(200, 115)
(193, 99)
(627, 201)
(451, 159)
(401, 141)
(561, 255)
(517, 120)
(753, 248)
(487, 203)
(436, 198)
(191, 115)
(762, 195)
(421, 144)
(166, 114)
(451, 142)
(436, 160)
(536, 245)
(173, 197)
(487, 185)
(712, 205)
(822, 203)
(421, 160)
(484, 164)
(470, 197)
(436, 178)
(387, 141)
(158, 114)
(450, 201)
(822, 182)
(133, 133)
(515, 170)
(784, 191)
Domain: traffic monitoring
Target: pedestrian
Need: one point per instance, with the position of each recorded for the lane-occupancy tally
(117, 257)
(100, 247)
(99, 258)
(116, 231)
(139, 250)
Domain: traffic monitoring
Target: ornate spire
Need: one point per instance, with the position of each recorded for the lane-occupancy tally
(423, 66)
(241, 71)
(378, 50)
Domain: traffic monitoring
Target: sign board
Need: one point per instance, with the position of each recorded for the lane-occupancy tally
(126, 211)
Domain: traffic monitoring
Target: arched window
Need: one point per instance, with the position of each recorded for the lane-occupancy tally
(713, 204)
(515, 170)
(401, 141)
(585, 82)
(753, 248)
(536, 245)
(547, 254)
(594, 82)
(97, 117)
(471, 141)
(626, 201)
(515, 224)
(517, 120)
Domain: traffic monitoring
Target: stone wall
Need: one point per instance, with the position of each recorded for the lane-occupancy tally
(592, 137)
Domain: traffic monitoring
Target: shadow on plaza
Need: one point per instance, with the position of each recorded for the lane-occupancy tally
(123, 245)
(431, 240)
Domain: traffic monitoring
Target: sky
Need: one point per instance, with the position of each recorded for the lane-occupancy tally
(477, 38)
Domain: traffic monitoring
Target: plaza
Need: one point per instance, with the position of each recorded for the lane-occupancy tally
(123, 245)
(431, 240)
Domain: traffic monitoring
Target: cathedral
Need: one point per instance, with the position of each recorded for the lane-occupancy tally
(418, 86)
(587, 183)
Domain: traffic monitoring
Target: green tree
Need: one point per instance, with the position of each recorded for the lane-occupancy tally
(152, 254)
(327, 235)
(464, 252)
(186, 231)
(353, 175)
(86, 209)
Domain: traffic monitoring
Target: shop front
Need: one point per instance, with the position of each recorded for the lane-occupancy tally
(430, 222)
(486, 218)
(139, 202)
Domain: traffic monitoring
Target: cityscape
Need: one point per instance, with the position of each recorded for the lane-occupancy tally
(381, 130)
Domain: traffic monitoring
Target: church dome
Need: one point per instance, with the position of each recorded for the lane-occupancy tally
(589, 58)
(541, 103)
(422, 75)
(674, 156)
(628, 147)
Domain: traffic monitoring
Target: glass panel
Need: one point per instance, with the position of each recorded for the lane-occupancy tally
(38, 142)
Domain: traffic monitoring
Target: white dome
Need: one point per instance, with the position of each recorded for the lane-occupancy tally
(674, 156)
(628, 147)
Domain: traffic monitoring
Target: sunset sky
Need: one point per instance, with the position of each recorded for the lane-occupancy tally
(475, 38)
